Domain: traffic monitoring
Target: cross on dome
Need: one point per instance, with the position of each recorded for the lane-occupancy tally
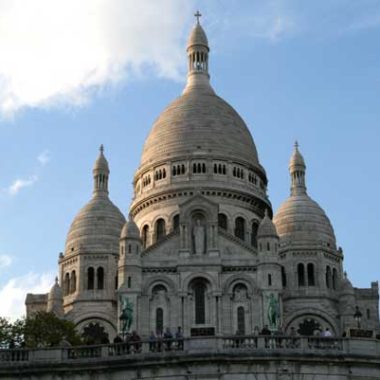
(101, 148)
(198, 15)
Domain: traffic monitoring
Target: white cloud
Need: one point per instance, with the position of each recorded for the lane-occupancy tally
(13, 293)
(59, 51)
(44, 157)
(21, 183)
(5, 261)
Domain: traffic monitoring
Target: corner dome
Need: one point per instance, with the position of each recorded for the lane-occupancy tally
(55, 292)
(97, 226)
(130, 230)
(300, 220)
(266, 227)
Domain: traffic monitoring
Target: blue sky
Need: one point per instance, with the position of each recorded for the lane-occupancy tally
(74, 75)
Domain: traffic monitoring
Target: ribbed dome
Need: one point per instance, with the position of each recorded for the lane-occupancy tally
(130, 230)
(97, 227)
(300, 220)
(266, 227)
(199, 121)
(98, 224)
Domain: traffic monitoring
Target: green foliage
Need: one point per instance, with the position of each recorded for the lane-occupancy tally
(5, 333)
(46, 330)
(41, 330)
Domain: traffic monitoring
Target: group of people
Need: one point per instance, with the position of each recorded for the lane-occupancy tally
(278, 339)
(159, 341)
(167, 340)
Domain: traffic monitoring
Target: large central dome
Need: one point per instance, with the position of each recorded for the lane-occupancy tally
(199, 121)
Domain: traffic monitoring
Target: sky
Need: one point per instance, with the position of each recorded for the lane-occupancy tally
(77, 74)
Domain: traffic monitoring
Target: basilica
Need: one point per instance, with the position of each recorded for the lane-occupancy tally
(201, 248)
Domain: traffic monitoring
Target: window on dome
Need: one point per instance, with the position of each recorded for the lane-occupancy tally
(328, 277)
(145, 235)
(252, 178)
(159, 320)
(310, 274)
(176, 222)
(199, 168)
(100, 278)
(334, 279)
(66, 288)
(178, 169)
(269, 279)
(90, 278)
(301, 274)
(200, 302)
(238, 172)
(240, 320)
(255, 227)
(240, 228)
(73, 282)
(222, 221)
(129, 282)
(160, 229)
(283, 277)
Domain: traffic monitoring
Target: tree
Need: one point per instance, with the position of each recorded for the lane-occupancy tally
(46, 330)
(5, 333)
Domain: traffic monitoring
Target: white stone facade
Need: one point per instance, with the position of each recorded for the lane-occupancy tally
(200, 250)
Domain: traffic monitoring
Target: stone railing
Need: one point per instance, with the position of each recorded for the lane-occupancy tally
(248, 345)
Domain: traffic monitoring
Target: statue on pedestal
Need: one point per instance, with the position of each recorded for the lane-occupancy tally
(199, 237)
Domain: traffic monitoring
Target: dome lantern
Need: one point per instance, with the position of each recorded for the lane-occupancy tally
(297, 169)
(101, 173)
(198, 55)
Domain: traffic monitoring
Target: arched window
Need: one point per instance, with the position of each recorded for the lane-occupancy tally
(240, 320)
(159, 320)
(222, 221)
(100, 275)
(90, 278)
(176, 222)
(328, 277)
(334, 278)
(160, 229)
(129, 281)
(73, 282)
(310, 274)
(283, 277)
(66, 289)
(301, 274)
(255, 227)
(145, 235)
(240, 228)
(200, 302)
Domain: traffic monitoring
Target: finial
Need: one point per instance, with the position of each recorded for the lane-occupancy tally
(101, 148)
(266, 212)
(296, 145)
(56, 280)
(197, 15)
(345, 274)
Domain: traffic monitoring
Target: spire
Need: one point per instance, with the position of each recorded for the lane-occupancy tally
(297, 169)
(198, 54)
(101, 173)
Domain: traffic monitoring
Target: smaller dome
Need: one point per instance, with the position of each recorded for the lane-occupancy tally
(346, 285)
(101, 163)
(130, 230)
(266, 227)
(197, 37)
(55, 291)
